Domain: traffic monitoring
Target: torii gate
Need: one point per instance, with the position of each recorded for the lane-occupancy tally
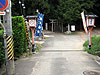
(52, 22)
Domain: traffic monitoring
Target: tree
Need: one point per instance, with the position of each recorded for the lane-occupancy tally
(96, 11)
(68, 11)
(15, 8)
(31, 6)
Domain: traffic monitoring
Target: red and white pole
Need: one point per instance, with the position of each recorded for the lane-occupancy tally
(90, 29)
(33, 29)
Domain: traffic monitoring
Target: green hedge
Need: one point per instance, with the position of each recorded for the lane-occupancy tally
(95, 45)
(19, 36)
(2, 52)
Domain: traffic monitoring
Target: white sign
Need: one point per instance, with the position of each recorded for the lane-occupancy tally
(2, 13)
(32, 23)
(84, 22)
(72, 27)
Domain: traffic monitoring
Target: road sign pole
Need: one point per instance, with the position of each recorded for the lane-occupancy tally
(10, 68)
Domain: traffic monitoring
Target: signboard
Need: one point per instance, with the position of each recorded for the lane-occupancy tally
(39, 24)
(72, 27)
(32, 23)
(3, 4)
(84, 22)
(91, 22)
(2, 13)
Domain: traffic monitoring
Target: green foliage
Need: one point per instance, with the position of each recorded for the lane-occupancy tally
(41, 5)
(19, 36)
(2, 52)
(38, 46)
(95, 45)
(68, 11)
(15, 8)
(31, 6)
(19, 39)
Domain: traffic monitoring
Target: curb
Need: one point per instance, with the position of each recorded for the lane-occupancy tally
(96, 58)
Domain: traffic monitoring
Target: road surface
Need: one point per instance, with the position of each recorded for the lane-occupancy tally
(60, 55)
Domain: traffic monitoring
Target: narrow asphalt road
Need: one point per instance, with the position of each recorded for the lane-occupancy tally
(61, 55)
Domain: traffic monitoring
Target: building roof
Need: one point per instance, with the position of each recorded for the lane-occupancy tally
(91, 15)
(31, 16)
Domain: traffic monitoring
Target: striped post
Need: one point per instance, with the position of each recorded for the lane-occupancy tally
(10, 50)
(26, 30)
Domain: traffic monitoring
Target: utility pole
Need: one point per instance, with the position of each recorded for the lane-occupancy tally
(7, 22)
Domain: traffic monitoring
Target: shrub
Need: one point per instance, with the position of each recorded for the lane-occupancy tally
(2, 52)
(95, 45)
(19, 36)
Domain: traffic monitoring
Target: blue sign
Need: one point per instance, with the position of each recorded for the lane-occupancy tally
(39, 25)
(3, 4)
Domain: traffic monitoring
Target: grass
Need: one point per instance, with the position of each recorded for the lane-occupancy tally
(38, 46)
(95, 45)
(44, 37)
(29, 53)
